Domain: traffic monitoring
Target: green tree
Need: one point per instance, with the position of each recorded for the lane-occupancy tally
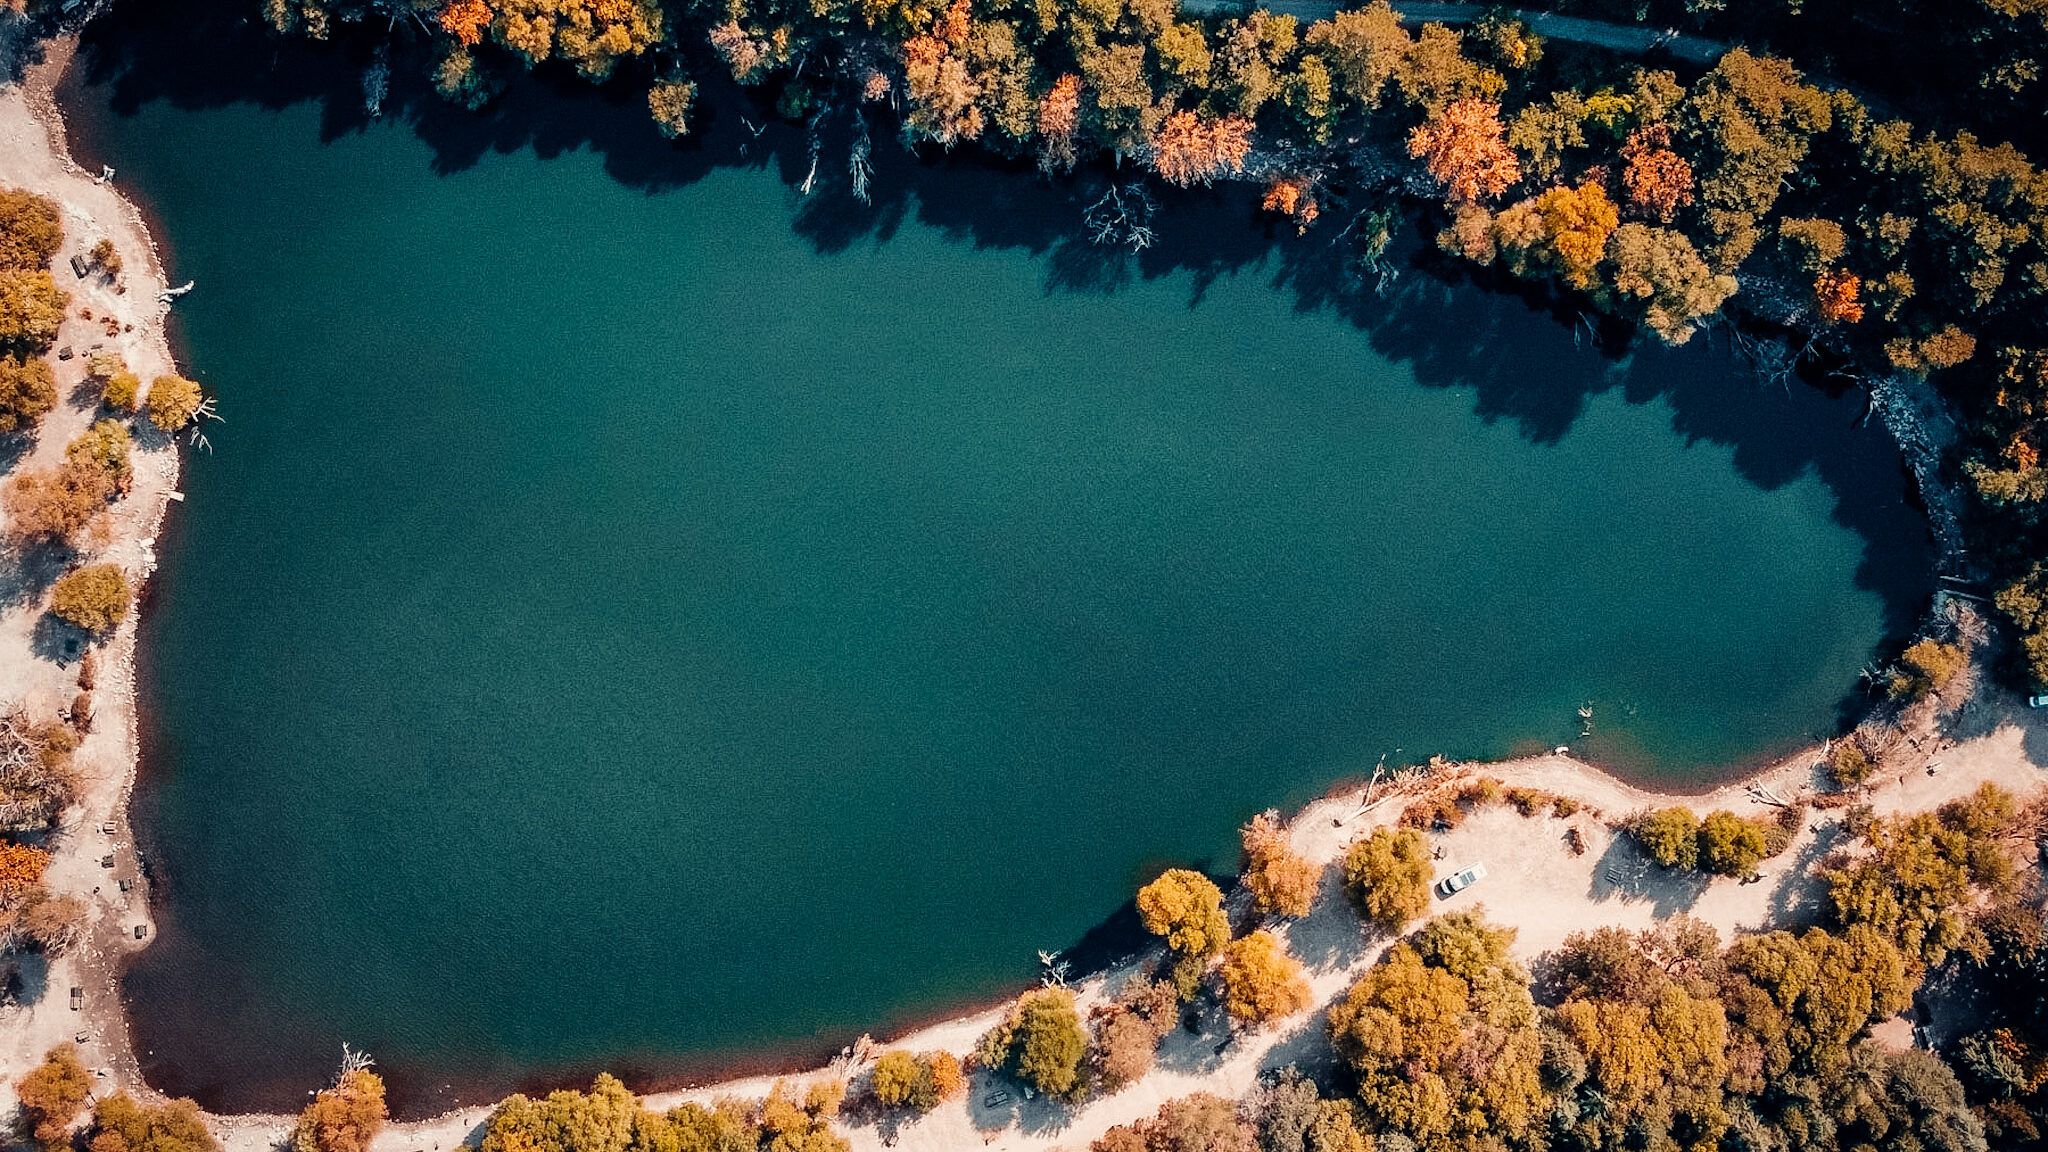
(1926, 666)
(600, 1120)
(53, 1093)
(1669, 835)
(1387, 874)
(1730, 845)
(1041, 1041)
(94, 597)
(895, 1078)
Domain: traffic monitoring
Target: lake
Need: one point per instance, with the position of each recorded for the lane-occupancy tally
(634, 615)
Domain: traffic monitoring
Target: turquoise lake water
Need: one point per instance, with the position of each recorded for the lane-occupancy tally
(635, 616)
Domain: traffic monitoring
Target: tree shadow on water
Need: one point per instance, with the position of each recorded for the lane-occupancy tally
(1527, 355)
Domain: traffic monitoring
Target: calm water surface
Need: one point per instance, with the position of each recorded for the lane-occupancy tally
(628, 621)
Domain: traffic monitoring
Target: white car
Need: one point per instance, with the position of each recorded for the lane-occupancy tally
(1457, 882)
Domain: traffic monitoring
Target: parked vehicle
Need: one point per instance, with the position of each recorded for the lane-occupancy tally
(1457, 882)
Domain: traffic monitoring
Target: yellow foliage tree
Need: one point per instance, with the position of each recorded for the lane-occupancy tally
(1282, 883)
(1261, 981)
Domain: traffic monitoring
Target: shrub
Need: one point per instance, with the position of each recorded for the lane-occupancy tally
(52, 1094)
(1439, 812)
(94, 597)
(28, 390)
(1530, 801)
(344, 1118)
(55, 505)
(1730, 845)
(1123, 1047)
(1203, 1122)
(1564, 807)
(1261, 981)
(1281, 882)
(1669, 835)
(1386, 874)
(1848, 764)
(104, 446)
(30, 230)
(107, 257)
(173, 401)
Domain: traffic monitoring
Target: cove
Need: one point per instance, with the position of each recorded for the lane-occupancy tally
(636, 616)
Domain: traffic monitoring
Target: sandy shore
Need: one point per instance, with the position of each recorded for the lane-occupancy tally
(1537, 884)
(35, 670)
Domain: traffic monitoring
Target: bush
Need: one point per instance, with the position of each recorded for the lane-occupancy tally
(52, 1094)
(1386, 874)
(1848, 764)
(1433, 813)
(1530, 801)
(28, 390)
(104, 446)
(30, 230)
(1730, 845)
(1123, 1047)
(1261, 981)
(107, 257)
(1669, 835)
(55, 505)
(173, 401)
(94, 597)
(1564, 807)
(1281, 883)
(344, 1118)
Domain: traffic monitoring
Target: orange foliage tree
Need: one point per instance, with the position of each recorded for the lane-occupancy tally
(52, 1095)
(1059, 116)
(1466, 149)
(1659, 181)
(343, 1118)
(1261, 981)
(21, 868)
(1293, 197)
(465, 20)
(1837, 295)
(1187, 149)
(1566, 227)
(1280, 881)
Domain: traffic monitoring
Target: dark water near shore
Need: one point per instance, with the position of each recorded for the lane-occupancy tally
(634, 616)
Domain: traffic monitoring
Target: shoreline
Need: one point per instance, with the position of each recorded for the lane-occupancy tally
(140, 518)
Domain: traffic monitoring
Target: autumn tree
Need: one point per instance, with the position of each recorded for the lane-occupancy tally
(600, 1120)
(1202, 1122)
(56, 505)
(1187, 909)
(669, 102)
(1566, 228)
(1754, 120)
(344, 1118)
(1848, 764)
(1836, 297)
(1261, 982)
(1059, 117)
(31, 308)
(466, 20)
(94, 597)
(1282, 883)
(920, 1082)
(593, 35)
(31, 230)
(1386, 874)
(1659, 181)
(1927, 666)
(52, 1094)
(1363, 49)
(1466, 151)
(21, 868)
(1915, 876)
(173, 402)
(119, 1124)
(119, 386)
(1189, 150)
(28, 390)
(1658, 276)
(104, 446)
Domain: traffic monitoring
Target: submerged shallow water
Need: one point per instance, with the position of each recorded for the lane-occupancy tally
(635, 617)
